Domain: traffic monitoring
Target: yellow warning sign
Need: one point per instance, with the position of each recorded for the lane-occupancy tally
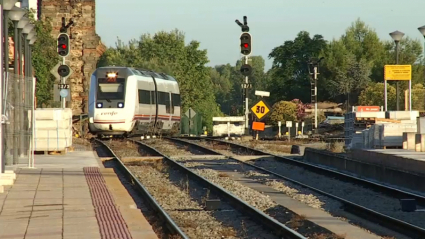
(397, 72)
(260, 110)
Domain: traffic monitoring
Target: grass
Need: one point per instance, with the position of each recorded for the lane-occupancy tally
(297, 221)
(327, 236)
(228, 232)
(336, 147)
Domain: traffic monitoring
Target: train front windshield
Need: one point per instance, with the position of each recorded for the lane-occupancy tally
(110, 89)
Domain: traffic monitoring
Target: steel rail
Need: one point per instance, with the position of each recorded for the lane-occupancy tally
(169, 222)
(368, 214)
(255, 214)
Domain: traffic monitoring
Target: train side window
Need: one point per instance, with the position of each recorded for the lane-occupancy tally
(162, 98)
(176, 99)
(144, 97)
(153, 97)
(167, 102)
(171, 102)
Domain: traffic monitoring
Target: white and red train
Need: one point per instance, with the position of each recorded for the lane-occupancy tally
(124, 101)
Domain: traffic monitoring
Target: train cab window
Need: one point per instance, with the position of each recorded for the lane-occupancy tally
(144, 97)
(110, 89)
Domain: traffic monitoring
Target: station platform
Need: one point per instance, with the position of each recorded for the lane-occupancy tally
(396, 167)
(401, 159)
(69, 196)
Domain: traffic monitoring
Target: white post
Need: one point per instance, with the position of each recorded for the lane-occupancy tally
(279, 123)
(410, 95)
(228, 129)
(385, 95)
(33, 124)
(302, 128)
(64, 82)
(315, 93)
(296, 128)
(246, 98)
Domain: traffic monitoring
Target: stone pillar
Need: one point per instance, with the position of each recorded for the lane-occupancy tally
(86, 46)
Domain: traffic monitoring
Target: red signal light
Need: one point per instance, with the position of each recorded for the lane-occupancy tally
(246, 45)
(63, 46)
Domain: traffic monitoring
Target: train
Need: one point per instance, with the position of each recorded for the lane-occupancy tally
(127, 102)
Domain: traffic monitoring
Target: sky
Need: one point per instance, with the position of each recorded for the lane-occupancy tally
(271, 22)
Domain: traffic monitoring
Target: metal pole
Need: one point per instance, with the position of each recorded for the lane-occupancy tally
(410, 95)
(246, 100)
(2, 158)
(64, 82)
(397, 83)
(26, 82)
(315, 96)
(16, 97)
(385, 95)
(32, 148)
(6, 70)
(23, 62)
(6, 40)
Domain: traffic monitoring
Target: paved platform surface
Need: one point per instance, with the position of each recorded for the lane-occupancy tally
(69, 196)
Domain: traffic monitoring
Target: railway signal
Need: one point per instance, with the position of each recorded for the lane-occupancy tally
(246, 70)
(245, 43)
(63, 44)
(64, 71)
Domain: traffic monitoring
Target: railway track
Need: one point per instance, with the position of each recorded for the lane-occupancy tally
(233, 212)
(167, 221)
(362, 211)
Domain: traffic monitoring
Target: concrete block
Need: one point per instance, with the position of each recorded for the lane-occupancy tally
(53, 124)
(10, 173)
(6, 180)
(41, 144)
(53, 133)
(409, 140)
(420, 123)
(52, 114)
(420, 142)
(402, 115)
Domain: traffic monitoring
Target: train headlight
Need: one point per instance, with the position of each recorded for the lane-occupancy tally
(120, 105)
(99, 105)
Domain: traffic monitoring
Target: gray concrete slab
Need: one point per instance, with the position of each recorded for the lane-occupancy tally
(55, 163)
(49, 207)
(405, 153)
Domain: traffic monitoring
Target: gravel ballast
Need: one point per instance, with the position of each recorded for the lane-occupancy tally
(184, 200)
(251, 196)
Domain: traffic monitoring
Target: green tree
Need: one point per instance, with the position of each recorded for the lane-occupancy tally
(167, 52)
(44, 58)
(283, 111)
(373, 95)
(418, 96)
(289, 74)
(354, 77)
(351, 61)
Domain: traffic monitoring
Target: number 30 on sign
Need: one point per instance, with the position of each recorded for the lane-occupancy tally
(260, 109)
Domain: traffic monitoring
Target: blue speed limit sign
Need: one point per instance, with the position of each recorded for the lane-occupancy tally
(64, 93)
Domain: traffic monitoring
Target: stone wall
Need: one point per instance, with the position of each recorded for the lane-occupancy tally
(86, 47)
